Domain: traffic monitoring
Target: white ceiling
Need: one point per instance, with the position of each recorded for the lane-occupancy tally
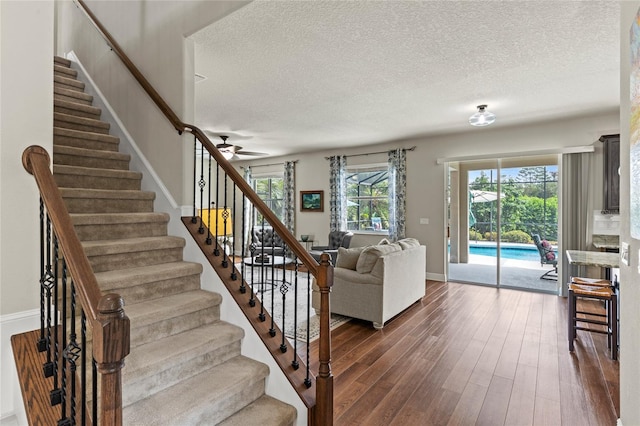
(293, 76)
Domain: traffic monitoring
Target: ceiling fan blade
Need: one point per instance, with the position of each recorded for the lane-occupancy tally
(251, 153)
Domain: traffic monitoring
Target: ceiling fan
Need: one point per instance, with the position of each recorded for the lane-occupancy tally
(230, 151)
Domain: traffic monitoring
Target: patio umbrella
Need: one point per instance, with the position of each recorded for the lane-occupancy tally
(479, 196)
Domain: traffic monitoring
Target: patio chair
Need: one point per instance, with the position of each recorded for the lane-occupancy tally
(547, 257)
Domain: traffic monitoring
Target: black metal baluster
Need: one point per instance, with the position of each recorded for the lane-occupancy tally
(294, 362)
(42, 342)
(208, 240)
(194, 218)
(216, 250)
(261, 315)
(243, 287)
(48, 282)
(201, 184)
(94, 392)
(307, 380)
(284, 288)
(273, 285)
(234, 274)
(83, 370)
(56, 393)
(225, 220)
(63, 343)
(252, 300)
(71, 354)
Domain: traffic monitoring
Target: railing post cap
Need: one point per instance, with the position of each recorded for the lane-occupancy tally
(110, 303)
(30, 150)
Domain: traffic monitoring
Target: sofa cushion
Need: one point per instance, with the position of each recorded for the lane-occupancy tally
(370, 255)
(348, 258)
(406, 243)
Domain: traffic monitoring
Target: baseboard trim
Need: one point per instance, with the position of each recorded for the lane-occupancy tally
(436, 277)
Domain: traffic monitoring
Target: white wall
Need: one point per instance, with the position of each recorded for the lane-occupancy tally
(26, 118)
(629, 276)
(426, 179)
(152, 34)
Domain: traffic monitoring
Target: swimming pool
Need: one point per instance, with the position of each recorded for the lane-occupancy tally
(518, 253)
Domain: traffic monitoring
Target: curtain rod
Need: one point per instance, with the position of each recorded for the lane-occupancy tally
(271, 164)
(413, 148)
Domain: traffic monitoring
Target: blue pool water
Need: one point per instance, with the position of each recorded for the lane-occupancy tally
(518, 253)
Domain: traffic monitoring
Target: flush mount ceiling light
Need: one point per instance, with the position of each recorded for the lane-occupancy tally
(482, 117)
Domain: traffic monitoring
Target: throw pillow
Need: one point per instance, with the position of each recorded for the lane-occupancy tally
(348, 258)
(545, 244)
(408, 243)
(370, 255)
(551, 256)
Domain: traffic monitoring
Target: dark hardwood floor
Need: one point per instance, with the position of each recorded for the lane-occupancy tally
(473, 355)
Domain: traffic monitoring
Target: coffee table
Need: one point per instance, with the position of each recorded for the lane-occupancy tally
(274, 261)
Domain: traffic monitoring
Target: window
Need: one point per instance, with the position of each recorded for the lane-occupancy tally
(271, 190)
(368, 198)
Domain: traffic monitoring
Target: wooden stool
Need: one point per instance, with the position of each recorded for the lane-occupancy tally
(607, 294)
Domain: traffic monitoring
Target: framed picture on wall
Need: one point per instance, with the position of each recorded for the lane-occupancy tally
(312, 201)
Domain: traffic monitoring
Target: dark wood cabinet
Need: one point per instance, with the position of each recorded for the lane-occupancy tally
(611, 201)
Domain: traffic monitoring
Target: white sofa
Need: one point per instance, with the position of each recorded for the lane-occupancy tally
(376, 283)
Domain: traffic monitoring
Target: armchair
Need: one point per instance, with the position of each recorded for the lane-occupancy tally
(336, 239)
(547, 257)
(265, 239)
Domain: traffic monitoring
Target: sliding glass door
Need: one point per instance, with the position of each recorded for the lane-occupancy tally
(496, 210)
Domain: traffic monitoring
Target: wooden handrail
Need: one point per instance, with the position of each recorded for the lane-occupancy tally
(180, 126)
(36, 161)
(109, 323)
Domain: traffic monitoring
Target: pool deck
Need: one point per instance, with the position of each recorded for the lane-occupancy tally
(520, 274)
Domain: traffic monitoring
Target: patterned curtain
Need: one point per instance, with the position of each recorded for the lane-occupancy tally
(338, 193)
(577, 207)
(397, 193)
(289, 195)
(248, 214)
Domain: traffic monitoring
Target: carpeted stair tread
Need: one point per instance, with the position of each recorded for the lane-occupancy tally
(207, 398)
(65, 71)
(104, 247)
(116, 218)
(73, 156)
(92, 171)
(107, 194)
(160, 364)
(155, 286)
(158, 318)
(68, 83)
(133, 277)
(82, 152)
(265, 410)
(94, 178)
(80, 123)
(76, 109)
(114, 226)
(60, 92)
(79, 138)
(61, 61)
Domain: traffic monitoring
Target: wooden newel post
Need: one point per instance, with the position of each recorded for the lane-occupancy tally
(110, 347)
(324, 380)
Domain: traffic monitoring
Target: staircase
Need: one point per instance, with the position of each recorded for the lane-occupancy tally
(185, 365)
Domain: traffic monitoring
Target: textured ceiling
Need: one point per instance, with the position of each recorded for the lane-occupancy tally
(293, 76)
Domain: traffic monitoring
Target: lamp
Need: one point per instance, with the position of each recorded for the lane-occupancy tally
(223, 227)
(482, 117)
